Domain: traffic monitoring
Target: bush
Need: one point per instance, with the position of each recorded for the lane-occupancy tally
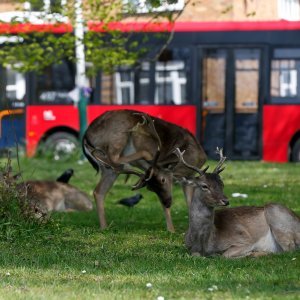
(18, 213)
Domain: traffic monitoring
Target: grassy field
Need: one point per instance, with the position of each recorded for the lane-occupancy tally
(72, 259)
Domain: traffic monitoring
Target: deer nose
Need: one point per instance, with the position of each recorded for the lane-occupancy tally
(225, 201)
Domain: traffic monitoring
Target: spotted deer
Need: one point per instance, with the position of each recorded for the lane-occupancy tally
(132, 142)
(239, 231)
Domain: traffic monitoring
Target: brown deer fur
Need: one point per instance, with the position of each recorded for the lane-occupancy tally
(45, 195)
(55, 196)
(240, 231)
(119, 140)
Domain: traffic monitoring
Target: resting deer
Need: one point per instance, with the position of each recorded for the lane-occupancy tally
(47, 195)
(56, 196)
(236, 232)
(119, 140)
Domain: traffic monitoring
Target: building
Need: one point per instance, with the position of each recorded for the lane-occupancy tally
(196, 10)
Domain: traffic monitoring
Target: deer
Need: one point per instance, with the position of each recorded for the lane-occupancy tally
(50, 196)
(47, 195)
(131, 142)
(235, 232)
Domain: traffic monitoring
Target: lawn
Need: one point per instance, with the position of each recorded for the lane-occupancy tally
(72, 259)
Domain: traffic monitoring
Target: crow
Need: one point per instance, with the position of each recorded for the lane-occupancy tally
(65, 176)
(131, 201)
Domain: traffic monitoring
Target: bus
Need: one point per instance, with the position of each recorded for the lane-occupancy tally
(235, 85)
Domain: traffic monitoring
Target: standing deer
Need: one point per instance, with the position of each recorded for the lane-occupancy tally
(120, 140)
(235, 232)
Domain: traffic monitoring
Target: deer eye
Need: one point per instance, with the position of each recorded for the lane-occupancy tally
(204, 187)
(163, 180)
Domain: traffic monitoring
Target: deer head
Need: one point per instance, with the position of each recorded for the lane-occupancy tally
(208, 186)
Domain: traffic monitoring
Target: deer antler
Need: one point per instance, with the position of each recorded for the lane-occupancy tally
(218, 169)
(180, 156)
(140, 183)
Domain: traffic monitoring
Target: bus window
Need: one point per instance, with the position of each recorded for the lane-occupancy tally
(55, 82)
(285, 76)
(170, 81)
(132, 85)
(213, 130)
(246, 80)
(171, 76)
(143, 80)
(214, 77)
(107, 89)
(15, 88)
(124, 80)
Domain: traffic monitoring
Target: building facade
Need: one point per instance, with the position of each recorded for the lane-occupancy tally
(196, 10)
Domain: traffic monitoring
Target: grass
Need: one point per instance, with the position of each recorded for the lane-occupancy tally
(72, 259)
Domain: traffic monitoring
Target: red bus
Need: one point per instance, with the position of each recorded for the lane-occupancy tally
(235, 85)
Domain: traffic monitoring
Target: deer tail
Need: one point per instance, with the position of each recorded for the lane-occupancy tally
(87, 149)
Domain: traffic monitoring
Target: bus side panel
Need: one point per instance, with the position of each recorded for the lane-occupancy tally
(182, 115)
(41, 119)
(280, 123)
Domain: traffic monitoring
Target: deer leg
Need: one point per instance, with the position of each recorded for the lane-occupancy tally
(258, 253)
(166, 204)
(238, 251)
(168, 217)
(108, 177)
(285, 239)
(285, 226)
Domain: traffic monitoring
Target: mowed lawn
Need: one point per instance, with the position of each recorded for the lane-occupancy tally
(73, 259)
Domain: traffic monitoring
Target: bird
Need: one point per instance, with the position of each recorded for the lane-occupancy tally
(65, 176)
(131, 201)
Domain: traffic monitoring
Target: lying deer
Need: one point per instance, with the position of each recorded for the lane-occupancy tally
(235, 232)
(47, 195)
(120, 140)
(56, 196)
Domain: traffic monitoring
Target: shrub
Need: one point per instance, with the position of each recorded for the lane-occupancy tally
(18, 213)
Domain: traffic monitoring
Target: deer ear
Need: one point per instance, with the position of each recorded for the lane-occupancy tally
(186, 181)
(170, 166)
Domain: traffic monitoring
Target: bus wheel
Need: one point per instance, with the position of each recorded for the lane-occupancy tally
(61, 145)
(296, 151)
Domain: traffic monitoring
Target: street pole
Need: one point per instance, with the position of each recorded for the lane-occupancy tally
(80, 68)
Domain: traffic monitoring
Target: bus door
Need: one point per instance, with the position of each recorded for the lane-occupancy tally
(230, 101)
(12, 108)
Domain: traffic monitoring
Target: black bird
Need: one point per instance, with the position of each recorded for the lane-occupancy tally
(65, 176)
(131, 201)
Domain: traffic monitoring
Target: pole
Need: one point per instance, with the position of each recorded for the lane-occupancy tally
(2, 87)
(80, 68)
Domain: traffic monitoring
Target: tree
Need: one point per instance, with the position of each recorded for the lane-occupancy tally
(104, 50)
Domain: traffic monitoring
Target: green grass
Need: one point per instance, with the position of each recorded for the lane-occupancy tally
(136, 249)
